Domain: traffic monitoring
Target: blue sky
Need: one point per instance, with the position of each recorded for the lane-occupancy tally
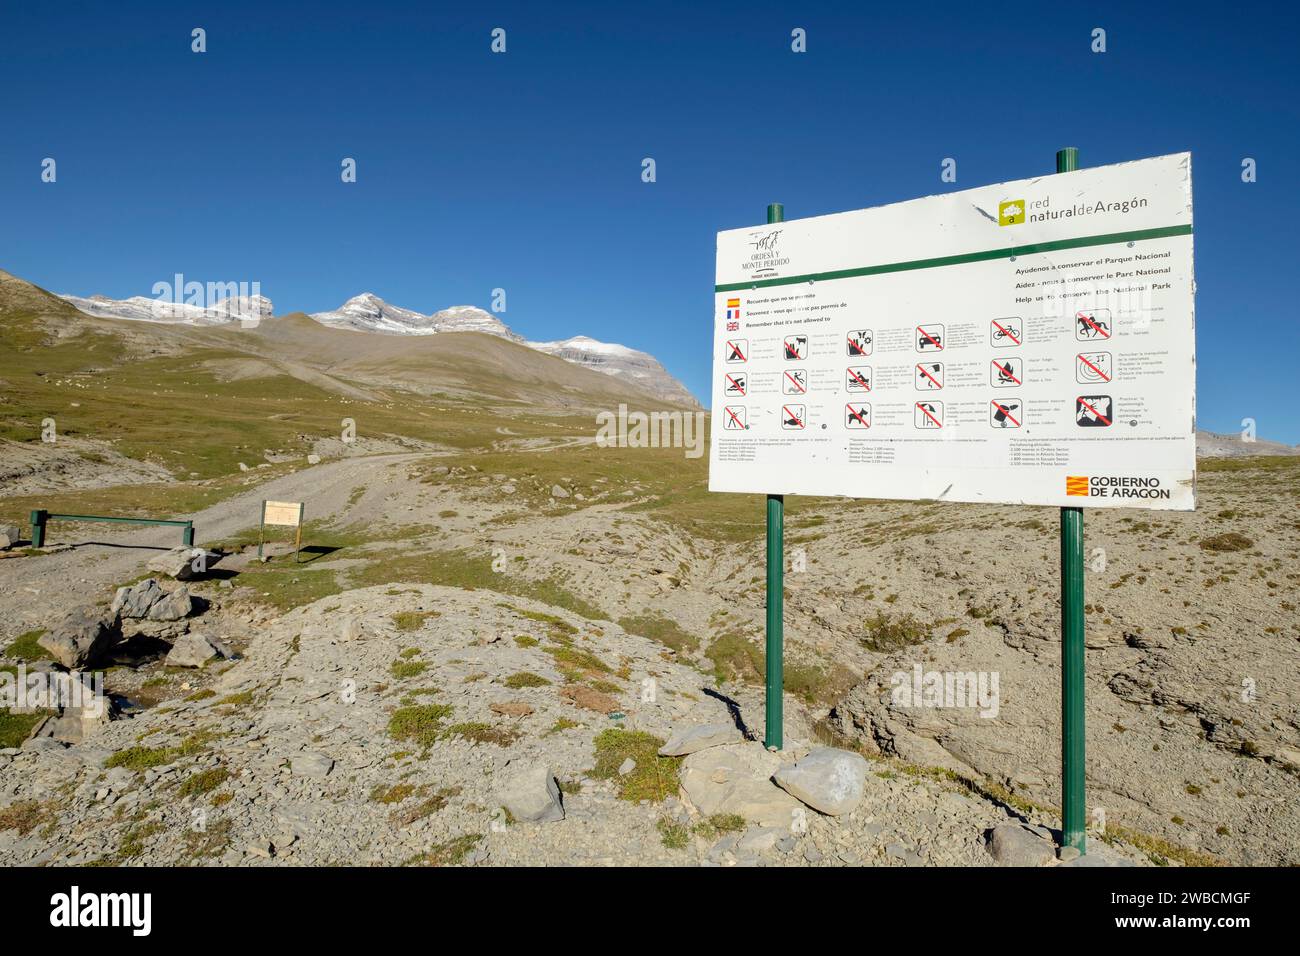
(522, 170)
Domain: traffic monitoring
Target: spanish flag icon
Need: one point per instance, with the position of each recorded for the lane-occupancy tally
(1077, 485)
(733, 308)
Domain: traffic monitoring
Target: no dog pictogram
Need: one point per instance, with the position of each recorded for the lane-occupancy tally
(857, 416)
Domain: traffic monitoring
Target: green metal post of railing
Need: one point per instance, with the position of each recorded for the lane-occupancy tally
(1073, 807)
(38, 528)
(775, 704)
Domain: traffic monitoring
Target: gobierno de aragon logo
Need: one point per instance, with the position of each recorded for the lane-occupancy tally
(1115, 486)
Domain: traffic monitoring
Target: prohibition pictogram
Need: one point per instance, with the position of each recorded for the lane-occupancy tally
(858, 416)
(794, 381)
(734, 420)
(929, 376)
(929, 338)
(737, 350)
(735, 383)
(858, 378)
(859, 342)
(1093, 367)
(929, 414)
(1093, 411)
(1091, 326)
(796, 348)
(1006, 373)
(1006, 333)
(793, 417)
(1007, 413)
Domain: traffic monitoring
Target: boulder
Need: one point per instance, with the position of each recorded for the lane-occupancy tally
(828, 780)
(736, 778)
(82, 638)
(175, 606)
(192, 650)
(693, 739)
(10, 535)
(136, 600)
(532, 795)
(1014, 845)
(180, 563)
(559, 491)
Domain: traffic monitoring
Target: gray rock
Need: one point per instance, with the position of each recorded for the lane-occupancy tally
(192, 650)
(828, 780)
(1068, 853)
(694, 739)
(532, 795)
(136, 600)
(179, 563)
(736, 778)
(1099, 855)
(558, 491)
(626, 767)
(173, 607)
(10, 535)
(1013, 845)
(81, 639)
(312, 765)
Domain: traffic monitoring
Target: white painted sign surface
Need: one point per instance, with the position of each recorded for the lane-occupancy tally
(285, 513)
(1029, 342)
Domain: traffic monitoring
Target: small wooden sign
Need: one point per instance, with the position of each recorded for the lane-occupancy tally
(287, 514)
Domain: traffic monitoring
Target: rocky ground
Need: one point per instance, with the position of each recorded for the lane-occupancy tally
(370, 716)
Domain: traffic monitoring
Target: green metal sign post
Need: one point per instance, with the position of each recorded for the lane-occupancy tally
(1073, 814)
(774, 737)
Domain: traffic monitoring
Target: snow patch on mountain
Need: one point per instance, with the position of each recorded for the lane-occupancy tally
(139, 308)
(369, 313)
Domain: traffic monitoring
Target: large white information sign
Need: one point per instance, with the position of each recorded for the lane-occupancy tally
(1029, 342)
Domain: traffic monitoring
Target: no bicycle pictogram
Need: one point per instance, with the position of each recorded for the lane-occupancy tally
(734, 419)
(858, 416)
(1006, 413)
(735, 383)
(793, 416)
(737, 350)
(929, 338)
(1006, 333)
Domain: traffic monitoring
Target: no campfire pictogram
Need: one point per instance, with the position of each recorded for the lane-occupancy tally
(929, 338)
(858, 416)
(735, 383)
(734, 419)
(737, 350)
(1006, 373)
(793, 416)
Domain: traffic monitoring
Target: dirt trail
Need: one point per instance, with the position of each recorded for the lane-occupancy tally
(110, 554)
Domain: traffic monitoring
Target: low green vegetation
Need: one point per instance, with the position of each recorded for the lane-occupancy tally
(654, 778)
(419, 723)
(523, 679)
(16, 728)
(675, 836)
(25, 647)
(661, 629)
(886, 633)
(205, 781)
(449, 853)
(413, 620)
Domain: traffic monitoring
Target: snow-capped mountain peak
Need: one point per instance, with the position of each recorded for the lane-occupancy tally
(369, 313)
